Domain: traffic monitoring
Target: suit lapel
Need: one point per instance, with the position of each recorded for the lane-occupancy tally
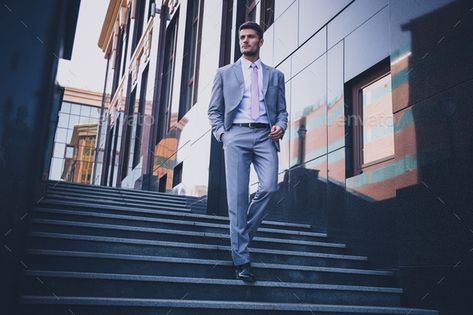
(239, 74)
(266, 74)
(236, 68)
(241, 81)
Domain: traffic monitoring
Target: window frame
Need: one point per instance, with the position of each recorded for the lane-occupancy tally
(128, 117)
(125, 43)
(140, 11)
(140, 117)
(167, 84)
(264, 16)
(190, 79)
(250, 9)
(177, 174)
(355, 119)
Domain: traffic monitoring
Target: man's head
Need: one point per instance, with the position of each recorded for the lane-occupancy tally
(251, 38)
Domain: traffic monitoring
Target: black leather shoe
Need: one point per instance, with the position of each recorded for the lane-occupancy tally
(243, 272)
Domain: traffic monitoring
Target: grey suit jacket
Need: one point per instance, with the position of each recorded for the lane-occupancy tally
(227, 93)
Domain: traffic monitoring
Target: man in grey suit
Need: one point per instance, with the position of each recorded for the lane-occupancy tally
(247, 112)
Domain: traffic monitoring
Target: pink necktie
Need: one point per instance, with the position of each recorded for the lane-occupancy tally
(254, 92)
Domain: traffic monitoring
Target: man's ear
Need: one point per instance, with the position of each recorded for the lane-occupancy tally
(261, 41)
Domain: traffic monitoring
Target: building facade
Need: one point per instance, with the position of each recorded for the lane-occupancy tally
(378, 151)
(75, 136)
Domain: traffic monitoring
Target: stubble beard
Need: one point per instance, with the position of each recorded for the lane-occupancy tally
(250, 53)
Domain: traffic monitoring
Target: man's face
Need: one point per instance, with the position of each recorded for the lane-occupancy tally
(250, 43)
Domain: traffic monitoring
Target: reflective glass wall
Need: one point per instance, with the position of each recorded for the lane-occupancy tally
(182, 155)
(74, 143)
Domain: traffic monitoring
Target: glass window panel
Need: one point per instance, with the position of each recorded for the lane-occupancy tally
(61, 134)
(63, 120)
(193, 50)
(55, 170)
(378, 136)
(252, 15)
(84, 120)
(59, 150)
(75, 109)
(65, 107)
(308, 113)
(352, 17)
(310, 51)
(195, 9)
(285, 34)
(69, 135)
(189, 96)
(280, 6)
(73, 120)
(84, 110)
(315, 13)
(69, 152)
(335, 91)
(266, 52)
(285, 67)
(367, 45)
(267, 14)
(95, 112)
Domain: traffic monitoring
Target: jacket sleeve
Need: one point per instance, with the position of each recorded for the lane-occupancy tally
(216, 109)
(281, 119)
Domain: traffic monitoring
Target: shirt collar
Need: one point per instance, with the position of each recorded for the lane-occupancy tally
(246, 63)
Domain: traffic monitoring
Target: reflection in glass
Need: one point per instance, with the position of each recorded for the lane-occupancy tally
(310, 51)
(61, 134)
(335, 98)
(280, 6)
(73, 120)
(378, 136)
(59, 150)
(69, 152)
(313, 14)
(65, 107)
(74, 143)
(75, 109)
(285, 34)
(308, 113)
(63, 120)
(85, 111)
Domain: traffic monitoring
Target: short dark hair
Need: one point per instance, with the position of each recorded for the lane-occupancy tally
(254, 26)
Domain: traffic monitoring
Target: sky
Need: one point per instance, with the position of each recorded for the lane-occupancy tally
(86, 69)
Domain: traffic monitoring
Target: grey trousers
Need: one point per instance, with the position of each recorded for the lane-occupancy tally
(242, 146)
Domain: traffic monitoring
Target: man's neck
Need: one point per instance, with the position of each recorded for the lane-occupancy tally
(251, 58)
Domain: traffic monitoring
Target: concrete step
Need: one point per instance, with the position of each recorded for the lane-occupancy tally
(123, 191)
(61, 195)
(131, 306)
(137, 252)
(158, 205)
(165, 223)
(205, 268)
(194, 217)
(58, 241)
(117, 195)
(198, 204)
(194, 203)
(115, 230)
(168, 287)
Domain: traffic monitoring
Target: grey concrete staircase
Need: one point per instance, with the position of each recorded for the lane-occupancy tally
(98, 250)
